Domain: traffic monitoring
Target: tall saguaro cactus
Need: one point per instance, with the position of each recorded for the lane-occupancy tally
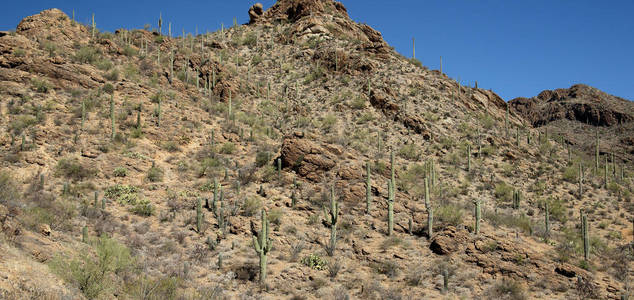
(368, 188)
(199, 216)
(390, 208)
(477, 216)
(547, 220)
(586, 242)
(262, 245)
(430, 222)
(468, 157)
(93, 25)
(333, 217)
(596, 153)
(112, 117)
(580, 181)
(427, 204)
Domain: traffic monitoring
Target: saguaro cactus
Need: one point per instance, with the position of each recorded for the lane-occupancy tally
(586, 242)
(392, 166)
(332, 217)
(468, 157)
(390, 207)
(83, 114)
(199, 216)
(547, 220)
(114, 132)
(368, 188)
(506, 121)
(580, 182)
(94, 26)
(477, 216)
(84, 234)
(427, 204)
(596, 152)
(445, 279)
(430, 222)
(262, 245)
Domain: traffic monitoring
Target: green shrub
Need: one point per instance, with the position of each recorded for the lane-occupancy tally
(123, 194)
(508, 289)
(108, 88)
(275, 216)
(20, 123)
(72, 169)
(41, 85)
(251, 206)
(250, 39)
(262, 158)
(328, 122)
(112, 75)
(9, 191)
(449, 214)
(170, 146)
(94, 274)
(503, 192)
(410, 152)
(315, 262)
(87, 55)
(155, 174)
(120, 172)
(228, 148)
(570, 174)
(143, 208)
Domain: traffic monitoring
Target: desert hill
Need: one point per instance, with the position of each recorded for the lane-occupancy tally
(137, 164)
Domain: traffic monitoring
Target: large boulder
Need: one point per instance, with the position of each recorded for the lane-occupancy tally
(255, 12)
(309, 159)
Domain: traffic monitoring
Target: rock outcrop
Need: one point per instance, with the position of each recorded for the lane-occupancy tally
(579, 103)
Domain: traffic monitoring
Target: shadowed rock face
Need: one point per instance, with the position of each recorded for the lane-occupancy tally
(578, 103)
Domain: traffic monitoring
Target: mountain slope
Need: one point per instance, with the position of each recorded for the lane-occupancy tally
(149, 122)
(581, 112)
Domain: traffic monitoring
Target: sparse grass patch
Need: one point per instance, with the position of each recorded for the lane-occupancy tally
(72, 169)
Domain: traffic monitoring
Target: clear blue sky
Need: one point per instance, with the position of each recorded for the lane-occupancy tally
(517, 48)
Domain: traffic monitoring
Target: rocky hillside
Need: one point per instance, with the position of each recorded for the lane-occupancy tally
(579, 114)
(295, 157)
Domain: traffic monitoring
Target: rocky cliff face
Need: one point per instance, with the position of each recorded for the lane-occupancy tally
(579, 113)
(579, 103)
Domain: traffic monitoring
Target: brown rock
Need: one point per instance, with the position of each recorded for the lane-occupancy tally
(307, 158)
(448, 241)
(255, 12)
(44, 229)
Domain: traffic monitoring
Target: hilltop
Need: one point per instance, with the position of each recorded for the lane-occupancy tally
(136, 164)
(580, 113)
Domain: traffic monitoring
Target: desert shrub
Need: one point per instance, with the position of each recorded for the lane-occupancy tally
(120, 172)
(208, 165)
(503, 192)
(20, 123)
(228, 148)
(409, 151)
(389, 268)
(250, 39)
(143, 208)
(108, 88)
(170, 146)
(40, 85)
(113, 75)
(155, 174)
(507, 289)
(416, 62)
(275, 216)
(315, 262)
(251, 206)
(570, 173)
(262, 158)
(124, 194)
(9, 191)
(449, 214)
(87, 55)
(72, 169)
(94, 274)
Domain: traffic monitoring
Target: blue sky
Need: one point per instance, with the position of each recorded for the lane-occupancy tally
(516, 48)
